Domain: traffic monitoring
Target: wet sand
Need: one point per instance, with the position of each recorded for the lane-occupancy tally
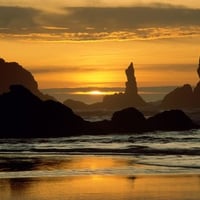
(102, 187)
(92, 178)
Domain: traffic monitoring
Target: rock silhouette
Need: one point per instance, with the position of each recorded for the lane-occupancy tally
(197, 89)
(173, 120)
(11, 73)
(128, 119)
(183, 97)
(23, 114)
(131, 84)
(197, 95)
(130, 98)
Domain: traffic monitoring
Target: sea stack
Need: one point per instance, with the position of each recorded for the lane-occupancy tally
(131, 84)
(130, 98)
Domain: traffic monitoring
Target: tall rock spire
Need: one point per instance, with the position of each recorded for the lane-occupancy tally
(130, 98)
(131, 84)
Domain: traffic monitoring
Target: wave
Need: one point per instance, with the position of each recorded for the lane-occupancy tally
(130, 150)
(159, 143)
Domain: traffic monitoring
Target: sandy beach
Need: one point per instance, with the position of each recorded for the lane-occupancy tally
(102, 187)
(89, 178)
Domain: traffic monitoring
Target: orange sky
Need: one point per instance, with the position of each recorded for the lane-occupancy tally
(84, 44)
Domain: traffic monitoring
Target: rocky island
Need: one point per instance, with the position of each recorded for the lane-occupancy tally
(184, 97)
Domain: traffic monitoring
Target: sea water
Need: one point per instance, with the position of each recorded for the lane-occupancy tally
(133, 154)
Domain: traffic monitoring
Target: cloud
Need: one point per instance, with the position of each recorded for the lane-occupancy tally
(99, 23)
(180, 68)
(138, 67)
(13, 19)
(70, 69)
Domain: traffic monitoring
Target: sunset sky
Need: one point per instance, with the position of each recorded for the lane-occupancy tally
(84, 43)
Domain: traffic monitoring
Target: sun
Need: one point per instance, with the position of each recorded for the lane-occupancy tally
(95, 92)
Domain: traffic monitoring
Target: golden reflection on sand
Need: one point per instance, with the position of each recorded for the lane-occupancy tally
(102, 187)
(94, 186)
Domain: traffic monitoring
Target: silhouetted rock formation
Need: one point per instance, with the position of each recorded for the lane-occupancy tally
(183, 97)
(129, 119)
(11, 73)
(22, 114)
(130, 97)
(197, 95)
(197, 89)
(173, 120)
(131, 84)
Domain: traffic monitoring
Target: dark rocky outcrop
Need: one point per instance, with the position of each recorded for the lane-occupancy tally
(173, 120)
(183, 97)
(11, 73)
(22, 114)
(129, 119)
(196, 95)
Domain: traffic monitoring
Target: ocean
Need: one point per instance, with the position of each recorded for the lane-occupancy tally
(76, 167)
(159, 152)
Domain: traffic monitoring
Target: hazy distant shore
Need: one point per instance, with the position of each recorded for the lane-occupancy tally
(150, 94)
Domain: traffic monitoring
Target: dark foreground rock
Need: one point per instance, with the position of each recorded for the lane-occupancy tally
(23, 114)
(129, 119)
(173, 120)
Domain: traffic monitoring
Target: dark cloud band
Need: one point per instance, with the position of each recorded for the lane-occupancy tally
(93, 23)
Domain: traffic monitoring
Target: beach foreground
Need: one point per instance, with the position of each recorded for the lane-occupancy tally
(102, 187)
(92, 178)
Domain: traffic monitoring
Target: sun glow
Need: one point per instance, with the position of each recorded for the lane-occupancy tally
(95, 93)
